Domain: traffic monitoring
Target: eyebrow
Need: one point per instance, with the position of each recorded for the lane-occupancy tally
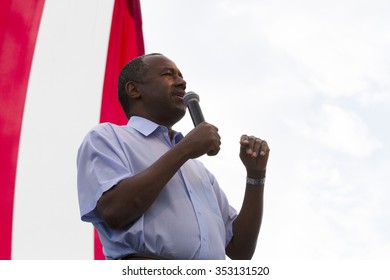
(172, 70)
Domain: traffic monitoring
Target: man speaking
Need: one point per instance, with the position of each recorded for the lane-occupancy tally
(144, 190)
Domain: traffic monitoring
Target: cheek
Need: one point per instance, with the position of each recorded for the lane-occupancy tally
(159, 102)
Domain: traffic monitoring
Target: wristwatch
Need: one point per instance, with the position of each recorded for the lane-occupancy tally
(255, 182)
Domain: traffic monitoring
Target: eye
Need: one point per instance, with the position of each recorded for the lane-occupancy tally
(167, 74)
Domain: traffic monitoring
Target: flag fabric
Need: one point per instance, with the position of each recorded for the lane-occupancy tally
(18, 32)
(59, 63)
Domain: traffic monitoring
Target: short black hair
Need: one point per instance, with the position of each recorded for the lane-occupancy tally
(135, 70)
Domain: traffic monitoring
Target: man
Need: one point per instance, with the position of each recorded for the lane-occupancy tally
(142, 187)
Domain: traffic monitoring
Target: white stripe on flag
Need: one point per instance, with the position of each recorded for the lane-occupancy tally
(63, 103)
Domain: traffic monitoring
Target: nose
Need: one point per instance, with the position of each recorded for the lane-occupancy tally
(181, 82)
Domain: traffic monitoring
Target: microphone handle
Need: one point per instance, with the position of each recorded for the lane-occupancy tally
(195, 112)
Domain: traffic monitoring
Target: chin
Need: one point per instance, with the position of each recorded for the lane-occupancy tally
(179, 115)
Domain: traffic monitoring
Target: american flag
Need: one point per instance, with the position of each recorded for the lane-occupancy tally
(59, 63)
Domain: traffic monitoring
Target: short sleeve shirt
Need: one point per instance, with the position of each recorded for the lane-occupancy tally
(190, 219)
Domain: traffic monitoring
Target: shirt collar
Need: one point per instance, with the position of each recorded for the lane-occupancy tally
(147, 127)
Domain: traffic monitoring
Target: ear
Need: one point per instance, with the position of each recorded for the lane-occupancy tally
(132, 90)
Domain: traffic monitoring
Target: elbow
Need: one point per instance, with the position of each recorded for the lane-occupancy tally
(115, 217)
(240, 255)
(240, 251)
(110, 218)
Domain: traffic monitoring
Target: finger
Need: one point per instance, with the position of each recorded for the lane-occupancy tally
(216, 128)
(244, 140)
(214, 151)
(251, 145)
(257, 147)
(264, 148)
(216, 147)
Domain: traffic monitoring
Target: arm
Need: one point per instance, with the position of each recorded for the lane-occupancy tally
(130, 198)
(254, 154)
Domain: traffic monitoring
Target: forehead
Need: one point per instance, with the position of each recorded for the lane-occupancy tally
(159, 62)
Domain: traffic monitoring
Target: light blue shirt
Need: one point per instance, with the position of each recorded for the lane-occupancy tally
(191, 217)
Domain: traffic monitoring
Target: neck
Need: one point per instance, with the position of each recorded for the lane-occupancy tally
(170, 133)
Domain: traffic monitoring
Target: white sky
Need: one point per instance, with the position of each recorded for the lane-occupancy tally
(310, 77)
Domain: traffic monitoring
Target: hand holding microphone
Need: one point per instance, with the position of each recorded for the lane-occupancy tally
(204, 138)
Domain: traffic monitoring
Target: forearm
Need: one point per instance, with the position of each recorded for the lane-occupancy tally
(254, 154)
(130, 198)
(247, 225)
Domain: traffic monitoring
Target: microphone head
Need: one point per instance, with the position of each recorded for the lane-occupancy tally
(190, 96)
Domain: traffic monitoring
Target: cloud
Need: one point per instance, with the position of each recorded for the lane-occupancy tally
(344, 51)
(338, 129)
(311, 77)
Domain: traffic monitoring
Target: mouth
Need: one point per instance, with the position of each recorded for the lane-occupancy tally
(180, 95)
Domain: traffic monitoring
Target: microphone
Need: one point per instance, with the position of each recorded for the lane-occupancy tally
(191, 100)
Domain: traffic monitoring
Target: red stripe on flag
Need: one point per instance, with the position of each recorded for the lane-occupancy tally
(19, 24)
(126, 42)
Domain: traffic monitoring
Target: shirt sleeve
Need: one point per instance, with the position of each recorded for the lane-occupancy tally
(101, 164)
